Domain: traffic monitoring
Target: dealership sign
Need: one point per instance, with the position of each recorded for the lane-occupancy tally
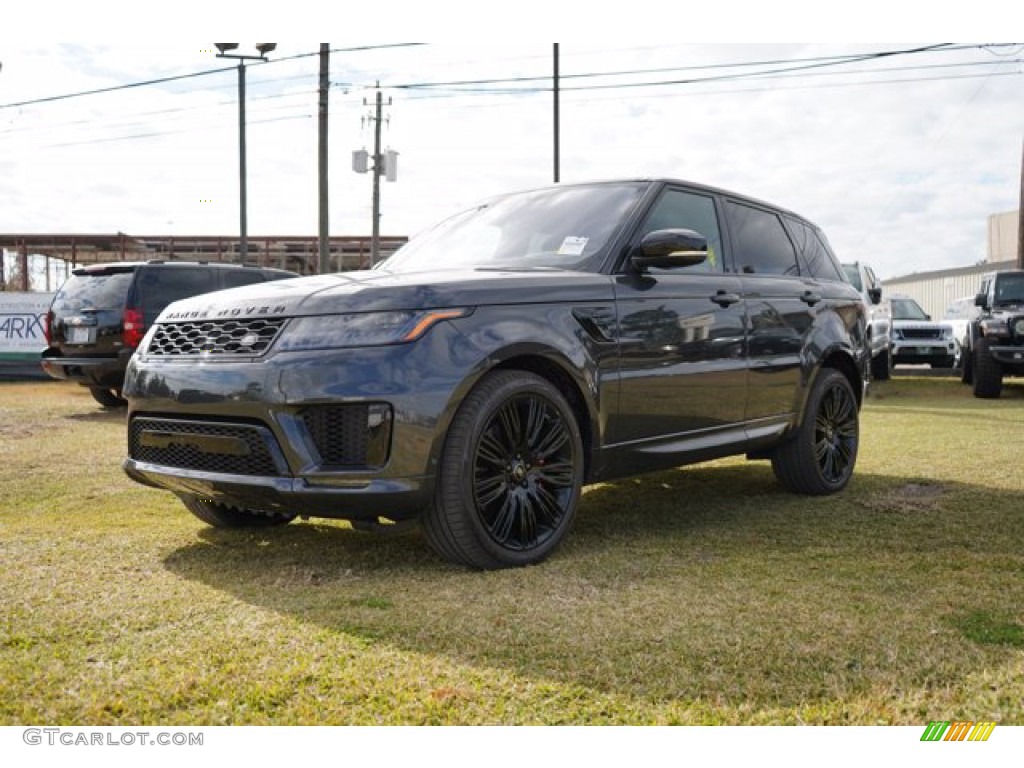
(21, 324)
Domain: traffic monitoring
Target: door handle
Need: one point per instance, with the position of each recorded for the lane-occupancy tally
(724, 299)
(810, 298)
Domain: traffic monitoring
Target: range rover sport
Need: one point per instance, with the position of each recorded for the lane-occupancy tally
(478, 378)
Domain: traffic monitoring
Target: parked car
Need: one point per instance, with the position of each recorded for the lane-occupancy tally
(916, 338)
(100, 314)
(996, 334)
(958, 315)
(879, 317)
(480, 376)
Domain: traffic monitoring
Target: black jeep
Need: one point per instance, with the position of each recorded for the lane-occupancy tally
(996, 335)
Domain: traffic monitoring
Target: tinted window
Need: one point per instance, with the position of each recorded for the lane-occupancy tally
(159, 287)
(760, 243)
(815, 258)
(676, 209)
(94, 290)
(236, 277)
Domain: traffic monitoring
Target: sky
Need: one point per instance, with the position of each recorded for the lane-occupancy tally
(900, 158)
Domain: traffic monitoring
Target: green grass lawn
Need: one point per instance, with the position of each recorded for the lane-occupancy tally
(702, 595)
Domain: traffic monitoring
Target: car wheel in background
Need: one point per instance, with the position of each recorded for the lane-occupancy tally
(988, 372)
(108, 398)
(821, 455)
(881, 366)
(510, 475)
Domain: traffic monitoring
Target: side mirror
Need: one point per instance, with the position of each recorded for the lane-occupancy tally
(981, 300)
(875, 294)
(669, 248)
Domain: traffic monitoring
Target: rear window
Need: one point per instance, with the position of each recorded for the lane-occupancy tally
(94, 290)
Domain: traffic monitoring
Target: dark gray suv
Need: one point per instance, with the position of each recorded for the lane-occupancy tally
(484, 373)
(101, 313)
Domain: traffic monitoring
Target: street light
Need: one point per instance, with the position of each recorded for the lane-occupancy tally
(225, 52)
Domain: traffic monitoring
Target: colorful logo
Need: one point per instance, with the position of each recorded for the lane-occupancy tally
(958, 730)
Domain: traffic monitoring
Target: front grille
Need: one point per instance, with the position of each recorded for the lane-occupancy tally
(354, 436)
(215, 337)
(921, 333)
(235, 449)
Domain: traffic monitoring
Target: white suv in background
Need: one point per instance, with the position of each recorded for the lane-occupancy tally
(916, 339)
(879, 317)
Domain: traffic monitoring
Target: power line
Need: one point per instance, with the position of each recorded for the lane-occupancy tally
(173, 78)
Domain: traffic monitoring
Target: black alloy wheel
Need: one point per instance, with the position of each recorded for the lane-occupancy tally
(820, 457)
(511, 474)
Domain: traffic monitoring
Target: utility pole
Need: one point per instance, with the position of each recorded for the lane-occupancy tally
(1020, 215)
(324, 223)
(375, 241)
(557, 159)
(383, 163)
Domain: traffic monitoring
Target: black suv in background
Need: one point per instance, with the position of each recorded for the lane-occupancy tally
(101, 313)
(995, 335)
(480, 376)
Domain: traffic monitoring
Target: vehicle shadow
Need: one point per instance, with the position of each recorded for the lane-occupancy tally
(703, 584)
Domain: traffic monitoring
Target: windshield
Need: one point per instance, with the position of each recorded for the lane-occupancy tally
(1010, 289)
(907, 309)
(853, 275)
(558, 227)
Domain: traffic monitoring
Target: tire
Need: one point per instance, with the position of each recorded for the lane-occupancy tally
(967, 366)
(988, 372)
(224, 516)
(820, 457)
(881, 366)
(108, 398)
(510, 475)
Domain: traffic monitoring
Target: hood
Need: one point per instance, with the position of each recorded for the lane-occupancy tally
(380, 290)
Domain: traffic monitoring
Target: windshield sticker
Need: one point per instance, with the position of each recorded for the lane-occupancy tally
(572, 246)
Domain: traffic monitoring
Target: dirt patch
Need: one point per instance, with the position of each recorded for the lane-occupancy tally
(909, 497)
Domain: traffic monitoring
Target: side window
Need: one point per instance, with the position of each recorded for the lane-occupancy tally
(815, 258)
(159, 287)
(676, 209)
(760, 243)
(232, 278)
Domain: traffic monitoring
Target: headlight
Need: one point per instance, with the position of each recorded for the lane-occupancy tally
(1018, 326)
(994, 327)
(361, 330)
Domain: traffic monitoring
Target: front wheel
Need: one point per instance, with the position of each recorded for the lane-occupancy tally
(988, 372)
(510, 476)
(225, 516)
(820, 456)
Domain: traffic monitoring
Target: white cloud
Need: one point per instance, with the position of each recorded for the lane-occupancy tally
(901, 174)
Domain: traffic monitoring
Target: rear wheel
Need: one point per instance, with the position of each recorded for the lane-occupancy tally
(108, 398)
(967, 366)
(820, 457)
(225, 516)
(988, 372)
(510, 474)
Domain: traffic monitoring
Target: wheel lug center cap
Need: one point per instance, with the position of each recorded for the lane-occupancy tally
(518, 471)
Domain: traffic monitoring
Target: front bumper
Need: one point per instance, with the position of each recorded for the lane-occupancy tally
(249, 433)
(934, 352)
(1007, 354)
